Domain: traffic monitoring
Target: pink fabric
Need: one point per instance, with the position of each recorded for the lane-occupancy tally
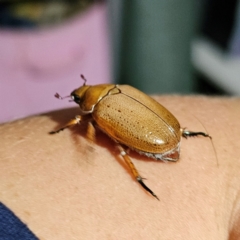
(36, 64)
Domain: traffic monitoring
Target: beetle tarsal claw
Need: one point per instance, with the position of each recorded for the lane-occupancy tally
(57, 131)
(186, 134)
(140, 180)
(135, 171)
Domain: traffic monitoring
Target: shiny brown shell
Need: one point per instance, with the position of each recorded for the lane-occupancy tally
(131, 118)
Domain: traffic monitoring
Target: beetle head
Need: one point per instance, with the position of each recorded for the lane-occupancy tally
(78, 94)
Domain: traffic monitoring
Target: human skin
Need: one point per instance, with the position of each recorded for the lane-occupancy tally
(65, 187)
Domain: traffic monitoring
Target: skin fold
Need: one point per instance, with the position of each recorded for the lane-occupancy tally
(66, 187)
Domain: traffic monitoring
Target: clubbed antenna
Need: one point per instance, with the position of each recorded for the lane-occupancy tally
(84, 79)
(57, 95)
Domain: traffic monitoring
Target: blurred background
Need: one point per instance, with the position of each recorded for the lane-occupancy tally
(158, 46)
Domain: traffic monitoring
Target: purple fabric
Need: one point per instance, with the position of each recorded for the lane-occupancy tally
(11, 228)
(34, 65)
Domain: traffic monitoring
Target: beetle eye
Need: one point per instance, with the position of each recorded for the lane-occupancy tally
(76, 98)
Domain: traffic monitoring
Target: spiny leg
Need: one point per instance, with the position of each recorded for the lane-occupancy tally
(186, 133)
(71, 123)
(135, 171)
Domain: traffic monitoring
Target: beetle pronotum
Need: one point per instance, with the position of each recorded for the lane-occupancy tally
(132, 119)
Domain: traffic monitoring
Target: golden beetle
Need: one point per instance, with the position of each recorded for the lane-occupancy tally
(133, 120)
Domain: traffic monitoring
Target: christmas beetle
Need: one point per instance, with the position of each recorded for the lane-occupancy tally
(133, 120)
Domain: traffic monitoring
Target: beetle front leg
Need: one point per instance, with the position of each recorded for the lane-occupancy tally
(186, 133)
(71, 123)
(135, 171)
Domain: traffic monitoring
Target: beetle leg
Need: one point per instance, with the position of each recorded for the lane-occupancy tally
(135, 171)
(71, 123)
(186, 133)
(91, 133)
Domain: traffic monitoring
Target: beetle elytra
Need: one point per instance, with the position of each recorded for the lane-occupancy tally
(133, 120)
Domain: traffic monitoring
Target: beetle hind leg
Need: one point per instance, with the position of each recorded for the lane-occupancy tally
(135, 172)
(71, 123)
(186, 134)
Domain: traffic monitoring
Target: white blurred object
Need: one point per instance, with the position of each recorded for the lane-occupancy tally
(235, 41)
(222, 69)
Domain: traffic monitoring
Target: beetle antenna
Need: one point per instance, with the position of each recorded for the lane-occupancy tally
(57, 95)
(84, 79)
